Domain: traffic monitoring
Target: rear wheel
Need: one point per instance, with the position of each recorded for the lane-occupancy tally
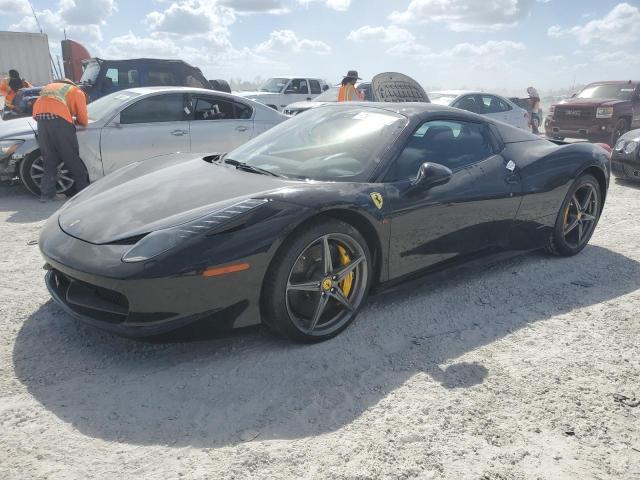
(31, 172)
(318, 282)
(577, 218)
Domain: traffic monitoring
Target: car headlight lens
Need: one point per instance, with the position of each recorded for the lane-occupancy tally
(620, 145)
(604, 112)
(161, 241)
(7, 147)
(630, 147)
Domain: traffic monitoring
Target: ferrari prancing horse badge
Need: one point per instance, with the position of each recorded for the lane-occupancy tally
(377, 200)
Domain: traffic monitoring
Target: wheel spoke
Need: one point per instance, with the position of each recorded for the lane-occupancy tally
(580, 232)
(339, 296)
(37, 176)
(587, 201)
(587, 217)
(37, 166)
(571, 227)
(326, 255)
(318, 313)
(304, 287)
(346, 270)
(576, 202)
(68, 179)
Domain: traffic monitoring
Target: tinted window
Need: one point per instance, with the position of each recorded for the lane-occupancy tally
(493, 104)
(449, 143)
(159, 108)
(121, 77)
(192, 81)
(608, 91)
(212, 108)
(162, 78)
(243, 112)
(470, 103)
(298, 85)
(315, 87)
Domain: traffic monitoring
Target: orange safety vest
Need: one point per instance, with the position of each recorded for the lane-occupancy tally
(63, 100)
(349, 93)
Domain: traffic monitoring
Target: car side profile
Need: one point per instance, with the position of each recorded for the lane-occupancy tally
(135, 124)
(298, 225)
(625, 157)
(278, 92)
(491, 105)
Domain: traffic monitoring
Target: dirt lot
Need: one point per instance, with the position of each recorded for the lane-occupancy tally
(502, 373)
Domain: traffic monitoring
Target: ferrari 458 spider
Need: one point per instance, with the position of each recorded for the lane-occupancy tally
(295, 227)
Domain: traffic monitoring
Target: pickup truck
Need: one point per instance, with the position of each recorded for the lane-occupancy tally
(601, 112)
(102, 77)
(278, 92)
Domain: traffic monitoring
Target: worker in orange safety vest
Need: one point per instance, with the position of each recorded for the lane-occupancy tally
(10, 86)
(348, 91)
(58, 104)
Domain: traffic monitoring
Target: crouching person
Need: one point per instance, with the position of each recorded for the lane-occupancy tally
(60, 107)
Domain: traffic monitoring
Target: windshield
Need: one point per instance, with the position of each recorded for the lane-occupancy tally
(331, 143)
(445, 99)
(330, 95)
(109, 103)
(90, 73)
(274, 85)
(608, 92)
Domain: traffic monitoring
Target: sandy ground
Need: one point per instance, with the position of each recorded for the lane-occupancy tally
(501, 373)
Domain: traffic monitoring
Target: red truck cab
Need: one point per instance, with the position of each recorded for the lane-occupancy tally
(600, 112)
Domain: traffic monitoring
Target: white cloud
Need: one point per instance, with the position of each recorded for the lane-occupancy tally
(54, 25)
(14, 7)
(462, 15)
(621, 26)
(555, 58)
(86, 12)
(390, 34)
(190, 17)
(288, 41)
(339, 5)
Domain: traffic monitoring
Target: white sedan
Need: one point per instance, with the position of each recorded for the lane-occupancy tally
(141, 123)
(488, 104)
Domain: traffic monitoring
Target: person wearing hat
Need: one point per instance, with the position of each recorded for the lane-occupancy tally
(60, 107)
(348, 91)
(534, 98)
(10, 86)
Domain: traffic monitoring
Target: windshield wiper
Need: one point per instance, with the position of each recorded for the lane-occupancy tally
(250, 168)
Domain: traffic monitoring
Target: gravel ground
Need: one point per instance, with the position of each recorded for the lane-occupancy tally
(527, 369)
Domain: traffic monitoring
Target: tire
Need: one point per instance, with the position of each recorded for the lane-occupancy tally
(621, 127)
(296, 287)
(31, 166)
(574, 225)
(220, 85)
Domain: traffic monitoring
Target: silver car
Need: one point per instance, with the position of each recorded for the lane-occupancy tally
(489, 104)
(139, 123)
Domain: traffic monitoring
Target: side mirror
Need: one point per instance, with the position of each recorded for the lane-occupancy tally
(431, 175)
(325, 88)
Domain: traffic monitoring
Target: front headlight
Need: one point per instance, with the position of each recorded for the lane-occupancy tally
(604, 112)
(160, 241)
(630, 147)
(620, 145)
(7, 147)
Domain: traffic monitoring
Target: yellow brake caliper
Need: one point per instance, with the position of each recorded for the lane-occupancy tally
(346, 284)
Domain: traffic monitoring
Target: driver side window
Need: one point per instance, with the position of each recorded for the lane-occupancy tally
(453, 144)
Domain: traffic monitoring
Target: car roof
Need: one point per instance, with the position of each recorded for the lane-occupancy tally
(149, 90)
(616, 82)
(408, 109)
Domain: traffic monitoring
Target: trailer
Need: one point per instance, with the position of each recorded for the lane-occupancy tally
(28, 53)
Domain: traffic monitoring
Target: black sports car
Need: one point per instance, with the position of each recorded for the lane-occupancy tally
(625, 158)
(296, 226)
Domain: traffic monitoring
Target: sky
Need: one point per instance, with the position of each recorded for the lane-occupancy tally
(499, 45)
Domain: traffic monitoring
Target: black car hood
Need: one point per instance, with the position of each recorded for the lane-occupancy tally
(158, 193)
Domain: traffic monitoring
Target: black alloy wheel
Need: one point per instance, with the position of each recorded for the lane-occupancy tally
(577, 218)
(319, 282)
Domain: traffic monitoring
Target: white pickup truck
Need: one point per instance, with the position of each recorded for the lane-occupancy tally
(278, 92)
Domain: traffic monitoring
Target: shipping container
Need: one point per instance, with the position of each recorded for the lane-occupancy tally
(28, 53)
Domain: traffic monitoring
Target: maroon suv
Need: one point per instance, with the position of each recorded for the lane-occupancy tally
(601, 112)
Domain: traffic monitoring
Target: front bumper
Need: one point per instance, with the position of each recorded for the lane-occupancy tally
(598, 130)
(626, 166)
(91, 283)
(8, 168)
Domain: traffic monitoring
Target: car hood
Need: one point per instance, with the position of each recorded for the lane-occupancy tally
(255, 94)
(159, 193)
(17, 127)
(590, 102)
(305, 105)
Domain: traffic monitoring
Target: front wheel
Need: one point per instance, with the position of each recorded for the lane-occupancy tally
(577, 218)
(317, 282)
(32, 170)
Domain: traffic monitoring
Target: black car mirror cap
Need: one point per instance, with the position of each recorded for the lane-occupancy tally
(431, 175)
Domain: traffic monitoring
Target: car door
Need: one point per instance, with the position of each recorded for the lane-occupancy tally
(315, 88)
(219, 124)
(494, 107)
(153, 125)
(297, 91)
(471, 213)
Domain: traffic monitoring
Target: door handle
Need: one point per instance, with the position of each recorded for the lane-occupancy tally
(179, 133)
(241, 128)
